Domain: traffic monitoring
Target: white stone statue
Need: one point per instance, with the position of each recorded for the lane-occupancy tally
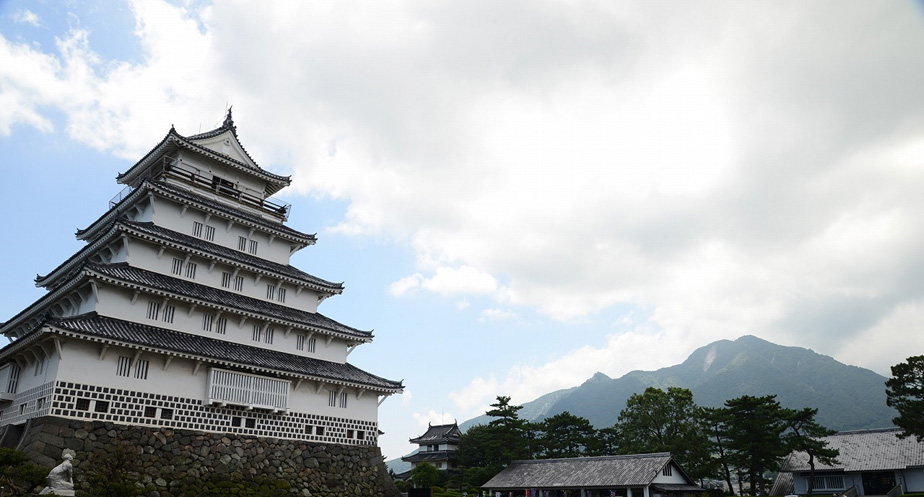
(61, 478)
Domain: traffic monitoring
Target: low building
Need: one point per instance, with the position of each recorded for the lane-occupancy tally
(873, 461)
(437, 446)
(640, 475)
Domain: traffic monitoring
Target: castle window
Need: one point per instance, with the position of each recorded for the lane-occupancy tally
(349, 434)
(197, 229)
(221, 326)
(169, 310)
(124, 367)
(360, 435)
(226, 280)
(177, 266)
(166, 413)
(153, 309)
(239, 283)
(666, 471)
(271, 291)
(242, 243)
(141, 369)
(39, 403)
(39, 367)
(332, 398)
(320, 431)
(312, 342)
(82, 405)
(210, 233)
(150, 412)
(253, 247)
(309, 429)
(13, 383)
(343, 399)
(236, 421)
(300, 342)
(268, 336)
(257, 332)
(191, 270)
(207, 322)
(250, 423)
(101, 406)
(282, 294)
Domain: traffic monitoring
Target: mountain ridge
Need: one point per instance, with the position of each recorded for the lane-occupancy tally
(847, 397)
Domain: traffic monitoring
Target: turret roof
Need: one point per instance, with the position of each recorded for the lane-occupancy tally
(439, 434)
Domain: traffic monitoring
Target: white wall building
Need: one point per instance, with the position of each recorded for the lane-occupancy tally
(182, 311)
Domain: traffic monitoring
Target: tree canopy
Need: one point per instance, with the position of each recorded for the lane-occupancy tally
(905, 393)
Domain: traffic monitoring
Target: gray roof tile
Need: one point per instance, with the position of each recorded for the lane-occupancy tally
(94, 326)
(608, 471)
(867, 450)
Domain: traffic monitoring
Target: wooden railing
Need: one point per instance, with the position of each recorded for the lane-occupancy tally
(249, 390)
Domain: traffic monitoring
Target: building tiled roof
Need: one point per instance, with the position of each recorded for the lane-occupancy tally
(188, 197)
(184, 290)
(439, 434)
(867, 450)
(157, 233)
(430, 456)
(608, 471)
(100, 328)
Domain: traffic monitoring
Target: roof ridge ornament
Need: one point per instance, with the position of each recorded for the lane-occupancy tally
(229, 122)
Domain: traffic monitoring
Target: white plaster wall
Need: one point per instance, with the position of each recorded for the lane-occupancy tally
(116, 302)
(81, 363)
(27, 377)
(675, 477)
(170, 215)
(914, 480)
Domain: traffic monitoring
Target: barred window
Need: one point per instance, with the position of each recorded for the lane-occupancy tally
(82, 405)
(207, 322)
(226, 280)
(150, 412)
(268, 336)
(210, 233)
(239, 283)
(124, 367)
(197, 229)
(169, 310)
(282, 294)
(312, 343)
(101, 406)
(166, 413)
(221, 326)
(13, 383)
(320, 431)
(241, 243)
(141, 369)
(253, 247)
(300, 342)
(257, 332)
(177, 266)
(343, 399)
(270, 291)
(153, 309)
(39, 367)
(191, 270)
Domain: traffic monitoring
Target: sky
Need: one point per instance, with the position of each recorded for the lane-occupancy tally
(517, 194)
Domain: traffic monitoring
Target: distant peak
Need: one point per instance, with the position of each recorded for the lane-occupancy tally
(598, 376)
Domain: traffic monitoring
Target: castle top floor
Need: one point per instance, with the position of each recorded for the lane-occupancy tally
(213, 164)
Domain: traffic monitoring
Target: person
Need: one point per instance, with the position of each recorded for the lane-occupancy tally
(61, 478)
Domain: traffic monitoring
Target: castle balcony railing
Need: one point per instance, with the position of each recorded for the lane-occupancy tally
(177, 169)
(248, 390)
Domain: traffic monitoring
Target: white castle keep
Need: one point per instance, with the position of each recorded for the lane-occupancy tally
(182, 311)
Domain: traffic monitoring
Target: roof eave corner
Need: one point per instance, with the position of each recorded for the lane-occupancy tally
(128, 176)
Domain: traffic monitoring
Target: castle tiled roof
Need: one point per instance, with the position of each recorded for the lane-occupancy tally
(175, 140)
(867, 450)
(229, 354)
(609, 471)
(438, 435)
(184, 290)
(156, 233)
(187, 197)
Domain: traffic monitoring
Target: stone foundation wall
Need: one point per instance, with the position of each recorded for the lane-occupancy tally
(172, 462)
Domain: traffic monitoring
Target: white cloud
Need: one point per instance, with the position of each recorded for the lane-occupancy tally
(447, 281)
(423, 420)
(26, 16)
(497, 315)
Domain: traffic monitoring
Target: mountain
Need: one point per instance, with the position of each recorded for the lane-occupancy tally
(847, 397)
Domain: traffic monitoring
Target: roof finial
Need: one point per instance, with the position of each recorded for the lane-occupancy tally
(229, 123)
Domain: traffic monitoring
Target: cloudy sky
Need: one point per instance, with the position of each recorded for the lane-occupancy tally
(517, 194)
